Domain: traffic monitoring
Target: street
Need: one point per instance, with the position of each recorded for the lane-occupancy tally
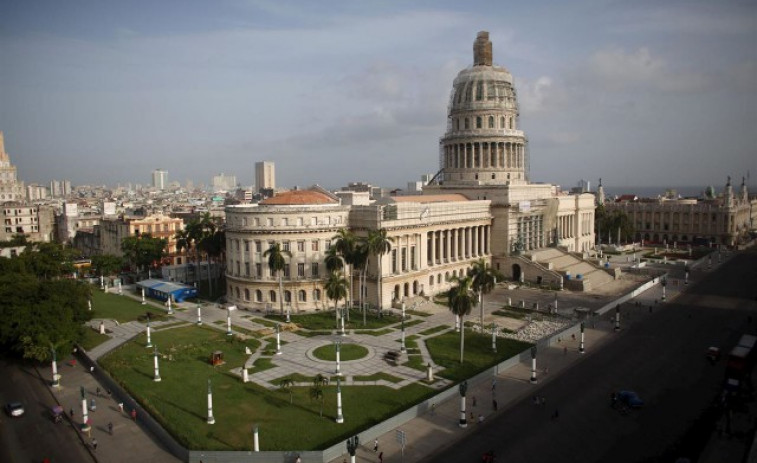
(660, 356)
(34, 436)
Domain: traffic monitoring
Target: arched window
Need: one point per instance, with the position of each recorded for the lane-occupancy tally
(236, 292)
(479, 91)
(467, 123)
(502, 122)
(491, 122)
(478, 122)
(512, 126)
(272, 296)
(246, 294)
(287, 296)
(258, 295)
(301, 296)
(431, 280)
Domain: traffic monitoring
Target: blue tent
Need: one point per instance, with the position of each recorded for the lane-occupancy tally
(161, 290)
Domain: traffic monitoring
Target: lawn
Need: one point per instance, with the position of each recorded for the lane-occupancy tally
(179, 401)
(121, 308)
(347, 351)
(478, 355)
(92, 339)
(326, 320)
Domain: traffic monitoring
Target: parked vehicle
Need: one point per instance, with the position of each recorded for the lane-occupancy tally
(14, 409)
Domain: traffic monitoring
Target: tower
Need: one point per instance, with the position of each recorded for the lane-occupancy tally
(483, 144)
(265, 175)
(10, 188)
(159, 179)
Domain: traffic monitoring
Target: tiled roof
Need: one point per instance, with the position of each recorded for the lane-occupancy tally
(297, 197)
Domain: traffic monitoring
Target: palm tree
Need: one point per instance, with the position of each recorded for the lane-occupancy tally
(344, 242)
(183, 241)
(336, 289)
(286, 385)
(194, 236)
(332, 259)
(316, 392)
(360, 263)
(378, 245)
(206, 242)
(276, 264)
(484, 278)
(461, 298)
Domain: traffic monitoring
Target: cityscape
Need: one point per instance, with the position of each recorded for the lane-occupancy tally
(471, 281)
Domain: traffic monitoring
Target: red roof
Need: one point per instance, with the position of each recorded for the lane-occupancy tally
(298, 197)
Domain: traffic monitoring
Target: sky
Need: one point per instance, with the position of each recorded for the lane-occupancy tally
(639, 93)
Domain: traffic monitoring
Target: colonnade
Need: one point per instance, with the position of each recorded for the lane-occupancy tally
(498, 155)
(455, 244)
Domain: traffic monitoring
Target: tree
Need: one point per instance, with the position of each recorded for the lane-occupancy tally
(144, 250)
(461, 298)
(483, 280)
(107, 264)
(378, 245)
(276, 263)
(607, 223)
(316, 392)
(47, 260)
(336, 289)
(344, 242)
(286, 385)
(360, 263)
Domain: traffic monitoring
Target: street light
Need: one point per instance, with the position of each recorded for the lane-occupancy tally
(664, 283)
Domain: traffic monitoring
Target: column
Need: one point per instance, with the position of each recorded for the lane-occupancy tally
(432, 248)
(467, 243)
(448, 253)
(475, 241)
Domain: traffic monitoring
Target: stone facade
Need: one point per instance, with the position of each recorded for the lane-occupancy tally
(10, 188)
(34, 222)
(112, 231)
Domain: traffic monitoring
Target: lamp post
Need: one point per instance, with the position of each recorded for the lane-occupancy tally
(339, 416)
(170, 308)
(56, 376)
(211, 419)
(84, 411)
(228, 321)
(102, 282)
(278, 339)
(120, 291)
(89, 305)
(533, 366)
(663, 282)
(143, 297)
(156, 378)
(402, 338)
(685, 274)
(255, 439)
(617, 317)
(149, 342)
(338, 345)
(463, 388)
(494, 337)
(199, 315)
(289, 310)
(581, 345)
(352, 445)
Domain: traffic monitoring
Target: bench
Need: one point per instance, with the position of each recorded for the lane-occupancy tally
(392, 357)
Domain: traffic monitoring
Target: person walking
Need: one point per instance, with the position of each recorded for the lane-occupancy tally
(110, 428)
(121, 406)
(381, 457)
(71, 412)
(375, 446)
(94, 444)
(494, 404)
(134, 414)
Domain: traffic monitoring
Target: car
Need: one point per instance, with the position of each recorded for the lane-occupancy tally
(14, 409)
(713, 354)
(629, 399)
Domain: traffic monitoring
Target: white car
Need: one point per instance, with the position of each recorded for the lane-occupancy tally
(14, 409)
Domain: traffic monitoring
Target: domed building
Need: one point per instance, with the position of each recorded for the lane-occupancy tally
(481, 205)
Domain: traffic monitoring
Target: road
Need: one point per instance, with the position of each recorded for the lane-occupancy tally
(33, 436)
(660, 356)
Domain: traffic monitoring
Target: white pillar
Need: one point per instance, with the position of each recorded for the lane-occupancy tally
(56, 376)
(278, 339)
(199, 315)
(581, 345)
(120, 292)
(339, 417)
(494, 337)
(170, 309)
(89, 305)
(533, 368)
(228, 323)
(102, 327)
(102, 282)
(256, 441)
(143, 297)
(338, 359)
(211, 419)
(84, 410)
(463, 421)
(245, 375)
(156, 378)
(149, 342)
(617, 318)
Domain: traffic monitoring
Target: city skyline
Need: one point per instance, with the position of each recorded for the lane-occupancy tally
(640, 94)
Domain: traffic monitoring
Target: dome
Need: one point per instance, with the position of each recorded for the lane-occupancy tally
(298, 198)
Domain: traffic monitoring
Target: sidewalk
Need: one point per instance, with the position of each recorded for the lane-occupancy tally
(129, 441)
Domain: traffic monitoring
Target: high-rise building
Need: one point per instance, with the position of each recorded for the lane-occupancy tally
(265, 175)
(10, 188)
(223, 182)
(160, 179)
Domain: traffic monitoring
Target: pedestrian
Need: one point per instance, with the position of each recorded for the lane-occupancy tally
(298, 460)
(71, 412)
(494, 404)
(375, 445)
(94, 444)
(121, 406)
(573, 336)
(134, 414)
(98, 391)
(381, 457)
(110, 428)
(494, 384)
(433, 409)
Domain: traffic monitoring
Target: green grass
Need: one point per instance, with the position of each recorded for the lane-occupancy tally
(121, 308)
(415, 362)
(92, 339)
(433, 330)
(326, 320)
(375, 332)
(378, 376)
(410, 323)
(346, 352)
(312, 334)
(418, 313)
(171, 325)
(509, 314)
(478, 355)
(179, 402)
(261, 364)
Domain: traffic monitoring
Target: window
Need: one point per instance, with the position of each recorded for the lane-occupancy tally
(257, 221)
(431, 280)
(317, 294)
(286, 270)
(467, 123)
(301, 270)
(301, 246)
(236, 292)
(478, 122)
(479, 91)
(258, 246)
(247, 269)
(259, 270)
(244, 221)
(246, 246)
(412, 258)
(285, 246)
(258, 295)
(301, 295)
(272, 295)
(403, 256)
(287, 296)
(299, 221)
(246, 294)
(328, 244)
(269, 221)
(314, 269)
(314, 245)
(285, 222)
(394, 261)
(491, 122)
(238, 272)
